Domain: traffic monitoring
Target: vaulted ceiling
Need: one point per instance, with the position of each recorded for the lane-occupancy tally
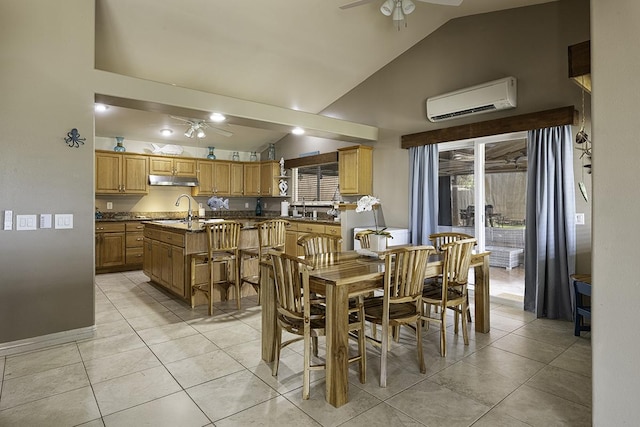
(295, 54)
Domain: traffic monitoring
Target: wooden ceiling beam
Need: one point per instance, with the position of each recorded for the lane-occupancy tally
(524, 122)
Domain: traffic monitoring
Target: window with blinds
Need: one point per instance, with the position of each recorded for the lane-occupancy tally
(316, 183)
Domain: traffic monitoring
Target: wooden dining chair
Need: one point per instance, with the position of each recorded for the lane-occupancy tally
(452, 293)
(401, 302)
(363, 237)
(223, 239)
(271, 236)
(438, 240)
(320, 243)
(299, 313)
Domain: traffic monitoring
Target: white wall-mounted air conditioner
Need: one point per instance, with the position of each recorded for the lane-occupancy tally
(483, 98)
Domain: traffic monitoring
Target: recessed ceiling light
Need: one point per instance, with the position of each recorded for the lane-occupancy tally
(217, 117)
(166, 132)
(101, 108)
(297, 131)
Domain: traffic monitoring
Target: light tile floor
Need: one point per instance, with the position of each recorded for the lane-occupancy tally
(154, 361)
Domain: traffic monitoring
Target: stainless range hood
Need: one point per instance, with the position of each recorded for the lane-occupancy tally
(176, 181)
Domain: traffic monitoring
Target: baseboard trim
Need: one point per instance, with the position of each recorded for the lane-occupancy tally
(37, 343)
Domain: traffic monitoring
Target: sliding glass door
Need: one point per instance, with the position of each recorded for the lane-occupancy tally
(488, 173)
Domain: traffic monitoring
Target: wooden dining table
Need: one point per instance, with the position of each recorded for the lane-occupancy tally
(341, 276)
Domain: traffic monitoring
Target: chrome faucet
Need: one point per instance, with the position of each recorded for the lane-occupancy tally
(189, 213)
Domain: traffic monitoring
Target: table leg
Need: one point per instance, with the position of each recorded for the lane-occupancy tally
(337, 330)
(268, 300)
(481, 293)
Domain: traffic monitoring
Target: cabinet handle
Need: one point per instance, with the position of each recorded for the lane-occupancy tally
(139, 239)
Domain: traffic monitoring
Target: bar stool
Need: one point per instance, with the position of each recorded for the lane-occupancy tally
(582, 288)
(271, 235)
(223, 238)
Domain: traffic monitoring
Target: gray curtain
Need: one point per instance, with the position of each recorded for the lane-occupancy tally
(550, 245)
(423, 198)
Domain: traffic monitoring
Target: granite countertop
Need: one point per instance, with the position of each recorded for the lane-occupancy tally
(253, 219)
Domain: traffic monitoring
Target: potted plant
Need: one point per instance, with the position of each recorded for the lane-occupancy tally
(378, 237)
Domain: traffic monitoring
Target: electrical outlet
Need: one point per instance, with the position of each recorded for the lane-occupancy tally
(246, 205)
(109, 205)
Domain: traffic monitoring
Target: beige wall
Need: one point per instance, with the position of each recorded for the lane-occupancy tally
(46, 276)
(528, 43)
(616, 290)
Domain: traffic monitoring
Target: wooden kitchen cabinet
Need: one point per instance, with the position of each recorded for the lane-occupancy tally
(300, 228)
(269, 172)
(355, 167)
(252, 179)
(175, 166)
(214, 178)
(134, 244)
(222, 178)
(237, 179)
(204, 172)
(164, 258)
(119, 246)
(110, 245)
(118, 173)
(291, 240)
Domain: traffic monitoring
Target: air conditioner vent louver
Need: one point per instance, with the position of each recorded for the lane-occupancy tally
(491, 96)
(464, 112)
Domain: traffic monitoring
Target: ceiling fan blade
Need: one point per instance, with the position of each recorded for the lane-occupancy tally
(356, 3)
(444, 2)
(221, 132)
(188, 121)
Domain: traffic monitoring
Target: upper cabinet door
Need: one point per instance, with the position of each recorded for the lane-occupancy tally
(355, 167)
(252, 179)
(222, 178)
(135, 174)
(108, 172)
(184, 167)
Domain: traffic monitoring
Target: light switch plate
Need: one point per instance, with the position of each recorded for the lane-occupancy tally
(25, 222)
(45, 220)
(64, 221)
(8, 220)
(579, 219)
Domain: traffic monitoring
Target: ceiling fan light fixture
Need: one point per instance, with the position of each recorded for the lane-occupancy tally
(200, 133)
(408, 6)
(166, 132)
(217, 117)
(387, 7)
(397, 13)
(189, 132)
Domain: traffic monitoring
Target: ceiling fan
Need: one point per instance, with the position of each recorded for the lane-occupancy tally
(196, 128)
(397, 9)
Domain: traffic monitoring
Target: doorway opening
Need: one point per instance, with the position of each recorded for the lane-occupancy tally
(488, 172)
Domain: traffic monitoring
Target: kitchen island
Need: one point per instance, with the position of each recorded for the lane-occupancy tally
(168, 247)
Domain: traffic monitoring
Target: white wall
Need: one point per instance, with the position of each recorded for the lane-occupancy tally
(616, 272)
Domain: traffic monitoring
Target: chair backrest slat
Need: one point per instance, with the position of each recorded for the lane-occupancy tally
(272, 234)
(223, 236)
(405, 269)
(363, 237)
(320, 243)
(440, 239)
(291, 277)
(457, 260)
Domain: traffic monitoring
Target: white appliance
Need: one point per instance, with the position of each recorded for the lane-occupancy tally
(483, 98)
(400, 236)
